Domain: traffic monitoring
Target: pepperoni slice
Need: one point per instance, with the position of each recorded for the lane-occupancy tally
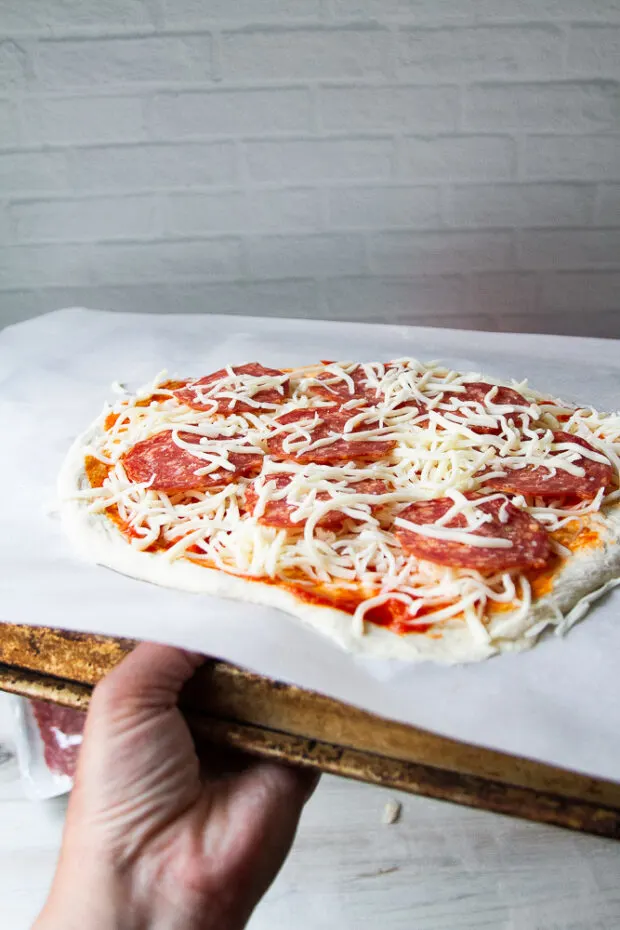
(279, 513)
(174, 469)
(540, 480)
(196, 394)
(466, 404)
(336, 449)
(338, 390)
(333, 387)
(530, 541)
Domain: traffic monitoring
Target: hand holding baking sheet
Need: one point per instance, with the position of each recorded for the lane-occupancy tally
(156, 836)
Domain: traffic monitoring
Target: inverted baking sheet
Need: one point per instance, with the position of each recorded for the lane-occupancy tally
(557, 703)
(231, 706)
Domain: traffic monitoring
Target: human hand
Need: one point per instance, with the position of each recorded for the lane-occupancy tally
(156, 839)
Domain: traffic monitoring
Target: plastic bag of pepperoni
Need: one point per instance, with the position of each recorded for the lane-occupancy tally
(48, 739)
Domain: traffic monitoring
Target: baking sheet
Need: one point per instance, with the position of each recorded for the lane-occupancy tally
(558, 703)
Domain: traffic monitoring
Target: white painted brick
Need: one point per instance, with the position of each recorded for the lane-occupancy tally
(331, 175)
(374, 207)
(463, 157)
(604, 325)
(581, 291)
(5, 229)
(563, 106)
(594, 50)
(419, 11)
(305, 256)
(607, 211)
(395, 299)
(295, 298)
(52, 14)
(521, 205)
(546, 9)
(75, 220)
(8, 125)
(311, 53)
(320, 159)
(13, 62)
(149, 167)
(260, 298)
(440, 252)
(572, 157)
(243, 112)
(64, 120)
(448, 11)
(236, 211)
(105, 264)
(483, 51)
(99, 62)
(570, 249)
(356, 109)
(33, 171)
(206, 11)
(23, 304)
(167, 261)
(36, 266)
(503, 292)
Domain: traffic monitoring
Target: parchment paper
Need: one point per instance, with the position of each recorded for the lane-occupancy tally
(559, 703)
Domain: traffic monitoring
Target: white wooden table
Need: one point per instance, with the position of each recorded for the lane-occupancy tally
(440, 868)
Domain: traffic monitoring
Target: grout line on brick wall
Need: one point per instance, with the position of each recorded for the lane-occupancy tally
(162, 235)
(55, 35)
(212, 141)
(324, 22)
(190, 88)
(123, 88)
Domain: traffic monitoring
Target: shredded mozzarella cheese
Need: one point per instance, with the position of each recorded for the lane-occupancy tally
(438, 453)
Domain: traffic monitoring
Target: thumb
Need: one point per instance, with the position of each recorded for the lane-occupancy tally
(138, 762)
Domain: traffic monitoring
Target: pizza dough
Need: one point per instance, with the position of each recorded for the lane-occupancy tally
(361, 498)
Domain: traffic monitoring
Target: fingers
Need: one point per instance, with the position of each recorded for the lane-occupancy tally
(220, 761)
(284, 784)
(149, 677)
(260, 808)
(137, 763)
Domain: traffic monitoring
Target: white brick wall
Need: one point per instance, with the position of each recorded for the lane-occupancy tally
(448, 162)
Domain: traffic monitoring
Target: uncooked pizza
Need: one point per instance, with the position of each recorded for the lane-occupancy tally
(404, 509)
